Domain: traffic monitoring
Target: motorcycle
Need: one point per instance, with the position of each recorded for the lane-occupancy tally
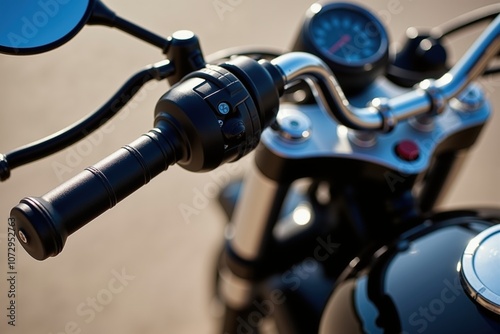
(333, 229)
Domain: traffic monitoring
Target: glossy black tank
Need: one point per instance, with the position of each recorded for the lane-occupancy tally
(413, 283)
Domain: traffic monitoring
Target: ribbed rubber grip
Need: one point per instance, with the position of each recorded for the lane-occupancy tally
(43, 223)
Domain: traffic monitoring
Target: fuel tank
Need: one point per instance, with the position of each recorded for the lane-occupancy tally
(440, 276)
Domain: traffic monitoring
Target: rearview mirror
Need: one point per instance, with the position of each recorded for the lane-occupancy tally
(29, 27)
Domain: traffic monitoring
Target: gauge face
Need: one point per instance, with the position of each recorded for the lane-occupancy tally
(349, 39)
(348, 35)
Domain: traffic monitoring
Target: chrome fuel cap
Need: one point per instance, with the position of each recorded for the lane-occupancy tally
(480, 268)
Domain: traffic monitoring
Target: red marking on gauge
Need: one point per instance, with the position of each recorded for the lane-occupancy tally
(340, 43)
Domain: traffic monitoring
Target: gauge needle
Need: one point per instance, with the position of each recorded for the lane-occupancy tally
(340, 43)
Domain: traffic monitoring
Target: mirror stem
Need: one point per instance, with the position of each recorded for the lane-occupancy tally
(102, 15)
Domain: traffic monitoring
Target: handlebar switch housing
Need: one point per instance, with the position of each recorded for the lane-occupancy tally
(221, 111)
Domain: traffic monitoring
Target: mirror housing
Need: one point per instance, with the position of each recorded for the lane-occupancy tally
(30, 27)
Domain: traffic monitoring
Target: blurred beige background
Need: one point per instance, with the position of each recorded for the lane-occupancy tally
(167, 258)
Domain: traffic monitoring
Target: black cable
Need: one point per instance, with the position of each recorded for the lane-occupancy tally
(486, 13)
(492, 71)
(466, 20)
(85, 126)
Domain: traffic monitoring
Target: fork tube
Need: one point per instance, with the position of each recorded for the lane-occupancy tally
(255, 214)
(249, 236)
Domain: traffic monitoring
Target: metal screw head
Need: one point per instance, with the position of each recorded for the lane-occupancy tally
(22, 236)
(470, 100)
(223, 108)
(293, 126)
(362, 138)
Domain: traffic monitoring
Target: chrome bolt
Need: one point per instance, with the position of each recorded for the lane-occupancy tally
(362, 138)
(470, 100)
(423, 123)
(293, 126)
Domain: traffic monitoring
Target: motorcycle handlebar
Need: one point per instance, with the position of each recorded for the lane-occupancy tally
(43, 223)
(217, 115)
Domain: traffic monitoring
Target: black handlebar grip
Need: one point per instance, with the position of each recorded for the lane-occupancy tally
(44, 223)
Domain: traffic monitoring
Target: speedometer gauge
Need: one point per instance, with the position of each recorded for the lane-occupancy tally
(349, 38)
